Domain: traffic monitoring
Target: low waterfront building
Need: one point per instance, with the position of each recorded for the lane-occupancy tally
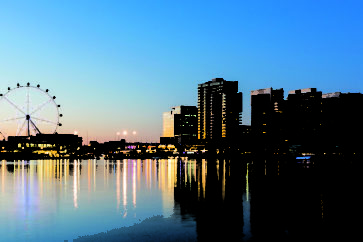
(42, 146)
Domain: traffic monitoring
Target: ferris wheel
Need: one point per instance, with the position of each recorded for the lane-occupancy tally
(28, 110)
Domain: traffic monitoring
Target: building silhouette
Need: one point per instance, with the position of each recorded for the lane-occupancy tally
(304, 115)
(341, 120)
(277, 122)
(267, 114)
(219, 110)
(307, 120)
(180, 125)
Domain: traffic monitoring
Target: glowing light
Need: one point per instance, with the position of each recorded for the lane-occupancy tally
(124, 190)
(134, 184)
(118, 184)
(125, 132)
(75, 132)
(75, 185)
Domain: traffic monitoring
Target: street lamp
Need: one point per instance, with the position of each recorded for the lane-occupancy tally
(125, 133)
(117, 136)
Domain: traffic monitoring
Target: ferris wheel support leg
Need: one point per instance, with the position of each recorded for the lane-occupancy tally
(35, 126)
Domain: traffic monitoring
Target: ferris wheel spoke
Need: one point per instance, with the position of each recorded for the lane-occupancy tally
(28, 102)
(21, 129)
(41, 106)
(11, 119)
(15, 106)
(45, 120)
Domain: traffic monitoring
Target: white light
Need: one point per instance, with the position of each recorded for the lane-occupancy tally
(125, 132)
(134, 132)
(75, 132)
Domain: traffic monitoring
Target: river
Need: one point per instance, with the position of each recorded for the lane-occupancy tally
(178, 199)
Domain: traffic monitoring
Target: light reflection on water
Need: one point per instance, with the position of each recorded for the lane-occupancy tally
(246, 209)
(239, 200)
(61, 199)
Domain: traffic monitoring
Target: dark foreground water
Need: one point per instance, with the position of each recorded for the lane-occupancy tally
(180, 200)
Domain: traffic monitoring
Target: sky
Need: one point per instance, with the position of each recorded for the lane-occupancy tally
(118, 65)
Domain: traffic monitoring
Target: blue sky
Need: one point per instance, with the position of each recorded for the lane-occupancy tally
(117, 65)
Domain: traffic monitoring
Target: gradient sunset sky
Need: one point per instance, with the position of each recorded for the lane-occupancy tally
(118, 65)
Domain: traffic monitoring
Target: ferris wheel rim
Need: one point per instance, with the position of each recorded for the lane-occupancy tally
(28, 114)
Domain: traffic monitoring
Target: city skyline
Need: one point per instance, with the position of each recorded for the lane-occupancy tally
(118, 66)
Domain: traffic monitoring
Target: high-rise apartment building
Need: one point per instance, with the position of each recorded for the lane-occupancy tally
(267, 112)
(341, 118)
(304, 115)
(181, 124)
(307, 120)
(219, 109)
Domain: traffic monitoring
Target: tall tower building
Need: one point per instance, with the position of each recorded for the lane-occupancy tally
(267, 112)
(219, 109)
(304, 109)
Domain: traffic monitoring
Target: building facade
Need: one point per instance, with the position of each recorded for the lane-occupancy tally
(307, 119)
(43, 146)
(341, 120)
(180, 124)
(267, 112)
(219, 109)
(304, 119)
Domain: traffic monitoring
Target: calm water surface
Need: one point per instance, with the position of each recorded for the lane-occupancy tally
(59, 200)
(198, 200)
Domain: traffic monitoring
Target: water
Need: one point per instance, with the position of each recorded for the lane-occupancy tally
(184, 200)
